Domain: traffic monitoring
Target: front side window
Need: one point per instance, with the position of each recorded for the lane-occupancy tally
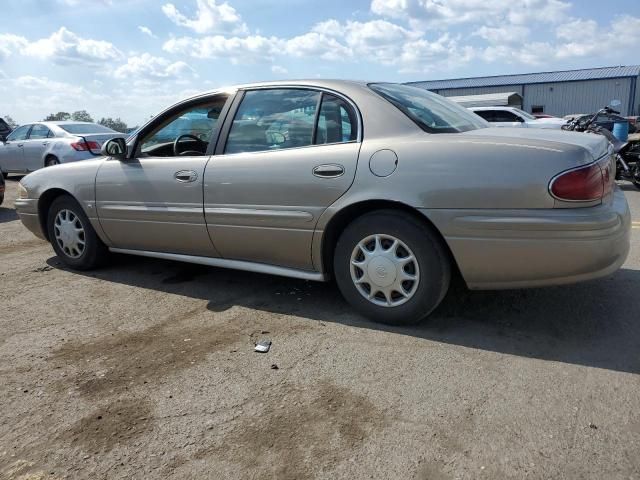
(488, 115)
(185, 132)
(431, 112)
(273, 119)
(39, 131)
(505, 116)
(19, 133)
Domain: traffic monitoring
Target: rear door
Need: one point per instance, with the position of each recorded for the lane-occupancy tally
(12, 150)
(153, 201)
(35, 145)
(284, 156)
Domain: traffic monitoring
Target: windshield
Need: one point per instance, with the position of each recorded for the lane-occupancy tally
(526, 115)
(432, 113)
(85, 128)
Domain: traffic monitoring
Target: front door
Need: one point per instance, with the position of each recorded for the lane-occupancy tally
(288, 155)
(153, 201)
(12, 150)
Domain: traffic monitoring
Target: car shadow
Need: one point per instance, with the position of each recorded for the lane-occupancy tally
(8, 214)
(594, 324)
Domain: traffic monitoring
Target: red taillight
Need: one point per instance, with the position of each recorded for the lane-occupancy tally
(84, 146)
(584, 184)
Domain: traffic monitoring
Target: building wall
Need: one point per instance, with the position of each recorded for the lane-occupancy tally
(578, 97)
(459, 92)
(563, 98)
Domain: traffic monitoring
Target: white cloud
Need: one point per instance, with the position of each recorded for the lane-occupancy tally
(504, 34)
(146, 31)
(277, 69)
(148, 67)
(442, 14)
(10, 44)
(65, 47)
(239, 50)
(210, 17)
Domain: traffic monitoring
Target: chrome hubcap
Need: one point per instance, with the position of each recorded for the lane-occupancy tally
(384, 270)
(69, 233)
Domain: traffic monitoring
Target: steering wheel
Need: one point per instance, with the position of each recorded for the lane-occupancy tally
(177, 152)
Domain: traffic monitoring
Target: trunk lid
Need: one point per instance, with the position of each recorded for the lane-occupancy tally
(596, 145)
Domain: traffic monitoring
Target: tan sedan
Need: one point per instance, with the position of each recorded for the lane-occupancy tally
(387, 188)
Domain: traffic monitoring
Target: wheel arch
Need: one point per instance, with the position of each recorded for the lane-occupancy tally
(47, 156)
(341, 219)
(44, 204)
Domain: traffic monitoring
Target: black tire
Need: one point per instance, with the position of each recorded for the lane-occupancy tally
(426, 245)
(94, 253)
(50, 161)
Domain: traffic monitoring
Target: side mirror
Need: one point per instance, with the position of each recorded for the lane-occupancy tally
(115, 147)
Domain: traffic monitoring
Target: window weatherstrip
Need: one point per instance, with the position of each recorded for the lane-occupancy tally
(316, 119)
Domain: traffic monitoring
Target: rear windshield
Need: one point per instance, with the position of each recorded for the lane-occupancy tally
(432, 113)
(85, 128)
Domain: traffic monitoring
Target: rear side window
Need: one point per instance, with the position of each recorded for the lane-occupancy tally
(336, 121)
(273, 119)
(19, 133)
(75, 128)
(40, 131)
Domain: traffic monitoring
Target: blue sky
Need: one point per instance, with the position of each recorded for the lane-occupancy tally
(131, 58)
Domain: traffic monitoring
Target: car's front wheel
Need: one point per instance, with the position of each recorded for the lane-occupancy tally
(72, 236)
(391, 267)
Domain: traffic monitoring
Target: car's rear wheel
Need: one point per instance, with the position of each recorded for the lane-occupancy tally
(391, 267)
(72, 236)
(50, 161)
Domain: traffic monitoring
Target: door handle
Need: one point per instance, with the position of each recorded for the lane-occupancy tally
(45, 143)
(20, 144)
(328, 171)
(186, 176)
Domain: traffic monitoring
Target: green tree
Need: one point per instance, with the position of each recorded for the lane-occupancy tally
(10, 121)
(56, 117)
(81, 116)
(114, 123)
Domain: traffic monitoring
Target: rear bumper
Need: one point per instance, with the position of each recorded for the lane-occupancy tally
(534, 248)
(27, 209)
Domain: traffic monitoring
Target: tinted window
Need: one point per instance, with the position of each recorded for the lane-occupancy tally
(40, 131)
(19, 133)
(486, 114)
(85, 128)
(433, 113)
(336, 121)
(272, 120)
(197, 121)
(505, 116)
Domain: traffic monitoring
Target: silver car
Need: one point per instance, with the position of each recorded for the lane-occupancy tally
(387, 188)
(43, 144)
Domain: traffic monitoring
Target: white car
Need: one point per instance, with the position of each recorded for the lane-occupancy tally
(514, 117)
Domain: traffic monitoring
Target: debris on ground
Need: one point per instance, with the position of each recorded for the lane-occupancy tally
(263, 346)
(593, 425)
(274, 366)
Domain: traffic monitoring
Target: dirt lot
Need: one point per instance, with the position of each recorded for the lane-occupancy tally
(146, 369)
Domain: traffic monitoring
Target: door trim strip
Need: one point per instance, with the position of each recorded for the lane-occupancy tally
(226, 263)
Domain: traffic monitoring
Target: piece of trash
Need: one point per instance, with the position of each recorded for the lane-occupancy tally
(263, 346)
(274, 366)
(593, 425)
(46, 268)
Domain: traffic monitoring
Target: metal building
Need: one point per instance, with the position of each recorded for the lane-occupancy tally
(554, 93)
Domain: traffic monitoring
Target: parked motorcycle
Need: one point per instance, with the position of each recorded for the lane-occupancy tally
(627, 154)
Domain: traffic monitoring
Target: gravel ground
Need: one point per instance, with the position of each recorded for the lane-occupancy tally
(146, 369)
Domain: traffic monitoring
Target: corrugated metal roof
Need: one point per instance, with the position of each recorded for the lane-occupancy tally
(489, 100)
(543, 77)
